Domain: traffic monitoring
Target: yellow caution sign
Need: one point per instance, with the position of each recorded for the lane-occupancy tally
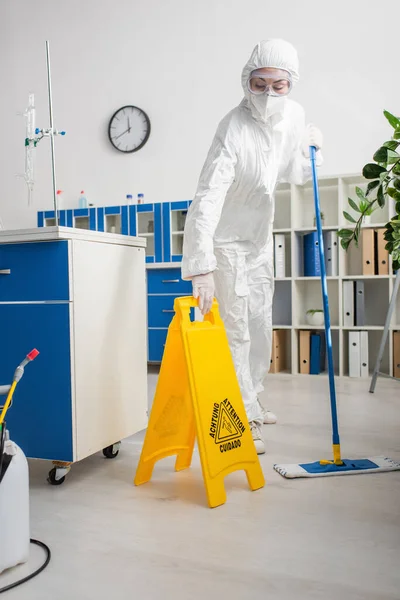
(198, 395)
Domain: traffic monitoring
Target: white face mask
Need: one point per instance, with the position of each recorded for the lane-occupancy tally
(266, 106)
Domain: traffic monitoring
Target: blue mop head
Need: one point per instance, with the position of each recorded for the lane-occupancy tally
(350, 467)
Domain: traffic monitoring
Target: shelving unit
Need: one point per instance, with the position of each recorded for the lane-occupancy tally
(295, 208)
(162, 224)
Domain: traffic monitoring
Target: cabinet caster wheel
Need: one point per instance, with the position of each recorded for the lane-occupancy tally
(52, 478)
(112, 451)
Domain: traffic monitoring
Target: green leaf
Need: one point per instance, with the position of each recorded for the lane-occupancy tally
(396, 134)
(345, 243)
(349, 217)
(389, 247)
(396, 196)
(391, 144)
(360, 193)
(357, 233)
(354, 205)
(396, 182)
(388, 236)
(380, 155)
(380, 196)
(394, 121)
(371, 186)
(372, 171)
(392, 156)
(396, 169)
(367, 207)
(345, 233)
(398, 207)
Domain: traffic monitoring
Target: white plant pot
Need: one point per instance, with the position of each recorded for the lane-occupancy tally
(367, 220)
(315, 319)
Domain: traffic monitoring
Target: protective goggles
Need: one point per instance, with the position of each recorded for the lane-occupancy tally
(277, 84)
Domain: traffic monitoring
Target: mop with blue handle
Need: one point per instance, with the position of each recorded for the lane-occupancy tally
(337, 466)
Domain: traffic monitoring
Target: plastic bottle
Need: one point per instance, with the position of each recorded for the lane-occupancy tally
(14, 509)
(82, 202)
(129, 199)
(140, 198)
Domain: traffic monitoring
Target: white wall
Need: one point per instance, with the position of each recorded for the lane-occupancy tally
(181, 62)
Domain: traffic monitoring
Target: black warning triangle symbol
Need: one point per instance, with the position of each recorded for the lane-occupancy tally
(226, 428)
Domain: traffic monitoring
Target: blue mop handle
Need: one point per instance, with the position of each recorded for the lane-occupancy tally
(324, 284)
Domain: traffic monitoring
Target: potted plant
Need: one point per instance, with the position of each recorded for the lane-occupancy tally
(384, 183)
(315, 316)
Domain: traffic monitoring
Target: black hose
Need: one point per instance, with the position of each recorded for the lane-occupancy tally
(32, 575)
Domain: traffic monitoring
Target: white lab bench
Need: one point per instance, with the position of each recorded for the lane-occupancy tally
(79, 297)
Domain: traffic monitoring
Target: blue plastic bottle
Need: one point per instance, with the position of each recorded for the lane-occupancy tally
(82, 202)
(129, 199)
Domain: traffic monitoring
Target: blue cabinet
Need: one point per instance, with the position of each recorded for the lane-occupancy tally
(113, 219)
(35, 312)
(34, 276)
(40, 419)
(163, 286)
(157, 339)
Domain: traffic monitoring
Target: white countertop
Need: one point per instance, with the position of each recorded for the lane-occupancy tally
(47, 234)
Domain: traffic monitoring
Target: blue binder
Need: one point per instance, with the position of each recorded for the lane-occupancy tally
(312, 266)
(317, 353)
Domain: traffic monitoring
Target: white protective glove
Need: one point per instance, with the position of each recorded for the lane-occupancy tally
(203, 289)
(312, 137)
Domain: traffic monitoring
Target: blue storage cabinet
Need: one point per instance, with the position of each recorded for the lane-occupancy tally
(35, 294)
(113, 219)
(41, 416)
(163, 286)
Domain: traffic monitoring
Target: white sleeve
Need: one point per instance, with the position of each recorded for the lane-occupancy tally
(299, 168)
(205, 211)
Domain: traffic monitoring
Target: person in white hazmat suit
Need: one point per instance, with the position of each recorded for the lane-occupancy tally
(228, 239)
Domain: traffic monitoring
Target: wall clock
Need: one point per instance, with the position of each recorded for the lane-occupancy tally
(129, 129)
